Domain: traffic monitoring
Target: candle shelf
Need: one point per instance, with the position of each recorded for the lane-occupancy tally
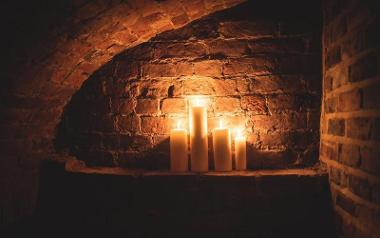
(139, 203)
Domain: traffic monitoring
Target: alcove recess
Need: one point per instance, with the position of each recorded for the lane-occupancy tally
(261, 70)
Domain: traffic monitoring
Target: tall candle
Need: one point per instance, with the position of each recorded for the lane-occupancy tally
(240, 151)
(178, 149)
(198, 137)
(222, 148)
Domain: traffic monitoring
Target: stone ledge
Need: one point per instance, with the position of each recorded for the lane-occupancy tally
(77, 166)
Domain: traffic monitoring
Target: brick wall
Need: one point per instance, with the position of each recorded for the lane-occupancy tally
(48, 50)
(350, 118)
(261, 69)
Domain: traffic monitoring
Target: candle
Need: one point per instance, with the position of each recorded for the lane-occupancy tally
(222, 148)
(240, 151)
(198, 137)
(178, 149)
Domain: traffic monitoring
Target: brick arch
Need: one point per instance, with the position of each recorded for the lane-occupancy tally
(51, 70)
(96, 32)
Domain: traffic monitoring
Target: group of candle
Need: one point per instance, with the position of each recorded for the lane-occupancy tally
(221, 138)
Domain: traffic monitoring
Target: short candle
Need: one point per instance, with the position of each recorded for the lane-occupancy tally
(222, 148)
(178, 149)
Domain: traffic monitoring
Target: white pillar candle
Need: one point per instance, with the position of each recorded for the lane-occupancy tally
(240, 151)
(198, 137)
(222, 148)
(178, 149)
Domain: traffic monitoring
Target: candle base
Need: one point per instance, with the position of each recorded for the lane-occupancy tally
(225, 168)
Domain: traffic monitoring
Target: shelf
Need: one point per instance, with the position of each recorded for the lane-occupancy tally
(76, 166)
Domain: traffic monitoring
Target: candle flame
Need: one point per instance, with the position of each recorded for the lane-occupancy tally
(239, 133)
(220, 123)
(198, 102)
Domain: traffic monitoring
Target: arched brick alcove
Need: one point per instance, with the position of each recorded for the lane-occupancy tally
(52, 49)
(260, 72)
(56, 53)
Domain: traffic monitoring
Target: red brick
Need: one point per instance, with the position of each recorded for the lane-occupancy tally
(233, 68)
(272, 84)
(349, 154)
(227, 104)
(333, 57)
(184, 68)
(173, 105)
(370, 159)
(254, 104)
(154, 88)
(346, 203)
(207, 86)
(359, 128)
(328, 83)
(158, 125)
(141, 29)
(338, 76)
(127, 70)
(144, 52)
(147, 106)
(336, 127)
(330, 105)
(244, 29)
(195, 8)
(275, 140)
(363, 68)
(371, 99)
(158, 70)
(223, 47)
(160, 22)
(179, 50)
(213, 5)
(279, 121)
(283, 102)
(275, 45)
(349, 101)
(135, 143)
(172, 7)
(126, 106)
(338, 176)
(359, 187)
(212, 68)
(129, 123)
(124, 37)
